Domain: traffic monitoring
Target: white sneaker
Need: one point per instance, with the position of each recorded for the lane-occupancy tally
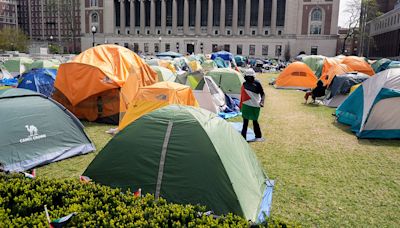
(259, 140)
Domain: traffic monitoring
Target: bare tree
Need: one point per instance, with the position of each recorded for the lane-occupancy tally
(352, 24)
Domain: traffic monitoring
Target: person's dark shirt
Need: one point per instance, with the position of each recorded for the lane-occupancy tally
(319, 91)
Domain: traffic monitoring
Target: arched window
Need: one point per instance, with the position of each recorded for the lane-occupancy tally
(316, 21)
(316, 15)
(95, 18)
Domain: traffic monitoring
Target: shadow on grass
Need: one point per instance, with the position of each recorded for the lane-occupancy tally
(375, 142)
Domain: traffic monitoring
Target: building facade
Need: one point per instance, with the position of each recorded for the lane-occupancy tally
(384, 35)
(56, 22)
(8, 13)
(268, 28)
(347, 42)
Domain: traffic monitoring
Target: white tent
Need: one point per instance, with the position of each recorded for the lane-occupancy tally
(209, 96)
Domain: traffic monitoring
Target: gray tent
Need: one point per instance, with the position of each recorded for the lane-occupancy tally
(37, 130)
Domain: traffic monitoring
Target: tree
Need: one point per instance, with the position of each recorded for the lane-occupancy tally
(12, 39)
(369, 10)
(354, 11)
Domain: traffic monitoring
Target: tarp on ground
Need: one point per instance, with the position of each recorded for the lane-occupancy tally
(39, 80)
(36, 131)
(186, 155)
(98, 84)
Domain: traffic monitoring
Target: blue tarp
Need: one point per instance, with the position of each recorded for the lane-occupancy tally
(223, 55)
(8, 82)
(250, 136)
(39, 80)
(265, 207)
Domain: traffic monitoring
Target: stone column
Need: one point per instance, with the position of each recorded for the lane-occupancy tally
(210, 17)
(222, 18)
(198, 17)
(142, 17)
(163, 17)
(174, 17)
(132, 19)
(152, 17)
(235, 17)
(273, 17)
(247, 18)
(122, 16)
(185, 17)
(260, 21)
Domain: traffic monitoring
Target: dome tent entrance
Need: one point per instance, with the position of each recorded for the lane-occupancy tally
(36, 131)
(186, 155)
(373, 109)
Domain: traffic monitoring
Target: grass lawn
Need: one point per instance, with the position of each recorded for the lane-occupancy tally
(324, 175)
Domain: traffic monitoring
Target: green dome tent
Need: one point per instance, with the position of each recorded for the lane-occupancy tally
(209, 65)
(48, 64)
(186, 155)
(18, 65)
(315, 62)
(230, 81)
(164, 74)
(36, 130)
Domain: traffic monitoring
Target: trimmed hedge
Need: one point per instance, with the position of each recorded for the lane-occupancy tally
(22, 203)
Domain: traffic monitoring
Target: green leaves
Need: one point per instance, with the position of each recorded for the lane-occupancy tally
(12, 39)
(22, 203)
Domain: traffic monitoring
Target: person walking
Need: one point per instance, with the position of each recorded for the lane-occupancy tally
(251, 100)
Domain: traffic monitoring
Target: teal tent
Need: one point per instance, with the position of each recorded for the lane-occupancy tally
(37, 130)
(373, 109)
(186, 155)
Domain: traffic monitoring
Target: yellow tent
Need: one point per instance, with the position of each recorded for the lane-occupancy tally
(156, 96)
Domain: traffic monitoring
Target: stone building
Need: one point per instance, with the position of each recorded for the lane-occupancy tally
(8, 13)
(262, 28)
(56, 22)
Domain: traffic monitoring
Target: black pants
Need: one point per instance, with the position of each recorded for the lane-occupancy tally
(256, 126)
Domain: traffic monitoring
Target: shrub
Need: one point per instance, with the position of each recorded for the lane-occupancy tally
(22, 203)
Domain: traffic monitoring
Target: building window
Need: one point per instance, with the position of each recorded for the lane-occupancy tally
(216, 12)
(156, 48)
(265, 50)
(93, 3)
(239, 49)
(241, 32)
(167, 47)
(136, 47)
(146, 47)
(214, 47)
(95, 18)
(253, 32)
(227, 47)
(266, 32)
(252, 49)
(204, 13)
(279, 33)
(316, 19)
(169, 32)
(278, 50)
(314, 50)
(228, 32)
(216, 32)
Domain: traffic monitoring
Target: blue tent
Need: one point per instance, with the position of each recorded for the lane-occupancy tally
(227, 56)
(221, 63)
(39, 80)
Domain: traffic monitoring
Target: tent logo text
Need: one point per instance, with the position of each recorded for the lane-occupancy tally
(33, 134)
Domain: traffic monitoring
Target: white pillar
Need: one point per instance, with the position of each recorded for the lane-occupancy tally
(210, 17)
(260, 17)
(122, 16)
(247, 18)
(152, 17)
(142, 17)
(163, 17)
(132, 19)
(198, 17)
(185, 17)
(222, 18)
(235, 17)
(273, 17)
(174, 17)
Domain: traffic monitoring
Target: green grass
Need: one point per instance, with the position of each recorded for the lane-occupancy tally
(324, 175)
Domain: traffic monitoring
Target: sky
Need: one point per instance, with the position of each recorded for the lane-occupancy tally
(343, 17)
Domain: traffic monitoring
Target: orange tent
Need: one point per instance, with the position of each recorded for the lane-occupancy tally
(296, 76)
(333, 71)
(358, 64)
(98, 84)
(328, 64)
(156, 96)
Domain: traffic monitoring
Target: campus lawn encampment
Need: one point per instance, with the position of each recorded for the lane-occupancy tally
(324, 176)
